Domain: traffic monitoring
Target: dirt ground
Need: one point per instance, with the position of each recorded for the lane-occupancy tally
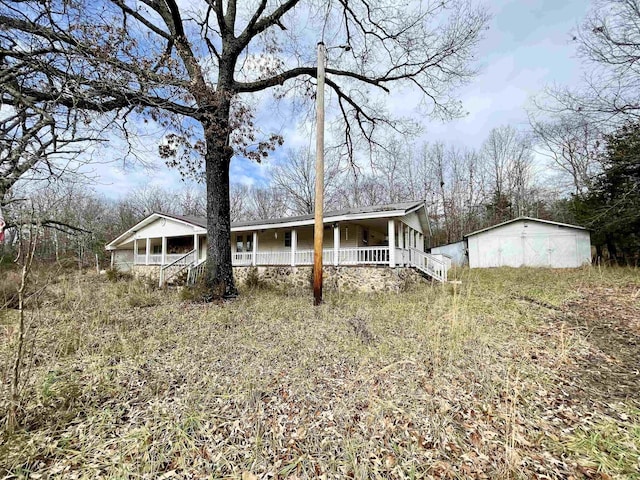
(610, 319)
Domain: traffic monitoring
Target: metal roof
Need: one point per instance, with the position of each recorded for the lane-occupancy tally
(529, 219)
(391, 207)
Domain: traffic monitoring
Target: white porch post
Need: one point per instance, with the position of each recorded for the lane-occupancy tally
(294, 245)
(164, 251)
(401, 240)
(196, 248)
(148, 251)
(336, 243)
(113, 259)
(255, 248)
(135, 251)
(392, 242)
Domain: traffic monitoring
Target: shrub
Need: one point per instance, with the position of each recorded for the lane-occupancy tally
(113, 275)
(9, 289)
(253, 279)
(197, 292)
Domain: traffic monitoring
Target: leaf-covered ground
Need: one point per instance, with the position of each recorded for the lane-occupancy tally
(514, 373)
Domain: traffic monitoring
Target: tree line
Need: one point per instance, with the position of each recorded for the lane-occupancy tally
(73, 72)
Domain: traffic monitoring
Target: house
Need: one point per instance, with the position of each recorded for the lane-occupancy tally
(387, 237)
(522, 242)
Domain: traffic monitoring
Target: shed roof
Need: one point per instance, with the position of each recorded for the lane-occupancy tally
(528, 219)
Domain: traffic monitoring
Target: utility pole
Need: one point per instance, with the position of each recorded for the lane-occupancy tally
(318, 228)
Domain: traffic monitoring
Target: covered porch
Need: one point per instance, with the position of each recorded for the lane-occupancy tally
(161, 251)
(367, 242)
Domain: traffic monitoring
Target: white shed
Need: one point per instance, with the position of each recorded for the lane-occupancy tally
(455, 251)
(529, 242)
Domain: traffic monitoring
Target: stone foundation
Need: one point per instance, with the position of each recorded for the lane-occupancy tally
(152, 272)
(343, 279)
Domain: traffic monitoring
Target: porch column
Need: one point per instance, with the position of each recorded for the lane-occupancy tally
(135, 251)
(294, 245)
(148, 251)
(164, 251)
(336, 243)
(401, 240)
(392, 242)
(113, 258)
(196, 248)
(255, 248)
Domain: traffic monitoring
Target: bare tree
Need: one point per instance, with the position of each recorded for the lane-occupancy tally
(266, 203)
(239, 202)
(572, 143)
(190, 68)
(609, 44)
(294, 177)
(508, 156)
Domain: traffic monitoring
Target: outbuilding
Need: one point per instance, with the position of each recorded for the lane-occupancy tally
(529, 242)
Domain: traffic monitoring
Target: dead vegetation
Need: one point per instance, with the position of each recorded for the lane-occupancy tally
(489, 379)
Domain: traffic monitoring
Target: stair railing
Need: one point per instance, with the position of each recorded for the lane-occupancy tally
(183, 262)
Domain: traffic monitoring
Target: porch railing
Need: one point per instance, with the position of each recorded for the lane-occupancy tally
(156, 258)
(409, 257)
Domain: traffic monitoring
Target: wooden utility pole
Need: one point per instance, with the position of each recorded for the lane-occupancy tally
(318, 229)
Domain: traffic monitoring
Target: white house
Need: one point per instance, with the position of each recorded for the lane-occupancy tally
(385, 235)
(529, 242)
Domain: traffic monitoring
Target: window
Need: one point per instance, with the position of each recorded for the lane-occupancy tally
(249, 243)
(156, 249)
(287, 239)
(365, 236)
(239, 243)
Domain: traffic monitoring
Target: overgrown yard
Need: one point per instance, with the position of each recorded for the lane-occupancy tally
(511, 374)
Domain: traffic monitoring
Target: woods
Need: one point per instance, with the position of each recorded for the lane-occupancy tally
(185, 69)
(78, 75)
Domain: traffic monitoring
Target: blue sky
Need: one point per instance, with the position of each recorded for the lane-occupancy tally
(526, 48)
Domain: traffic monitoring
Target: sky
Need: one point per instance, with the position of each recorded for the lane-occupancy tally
(526, 48)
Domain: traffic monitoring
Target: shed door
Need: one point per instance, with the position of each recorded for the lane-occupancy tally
(536, 251)
(563, 251)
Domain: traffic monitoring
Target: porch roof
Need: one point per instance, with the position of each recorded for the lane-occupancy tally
(356, 213)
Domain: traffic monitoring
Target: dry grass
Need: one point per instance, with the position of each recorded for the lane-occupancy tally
(478, 380)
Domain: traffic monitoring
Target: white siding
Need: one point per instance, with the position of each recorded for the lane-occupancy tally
(123, 260)
(165, 227)
(532, 244)
(413, 220)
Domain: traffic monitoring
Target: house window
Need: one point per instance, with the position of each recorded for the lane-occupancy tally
(249, 243)
(287, 239)
(239, 243)
(365, 236)
(156, 249)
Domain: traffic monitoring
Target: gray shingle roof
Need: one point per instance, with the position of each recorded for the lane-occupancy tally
(202, 221)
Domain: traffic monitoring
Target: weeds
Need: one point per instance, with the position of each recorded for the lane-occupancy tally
(452, 382)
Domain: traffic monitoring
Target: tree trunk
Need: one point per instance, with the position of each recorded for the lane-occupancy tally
(219, 276)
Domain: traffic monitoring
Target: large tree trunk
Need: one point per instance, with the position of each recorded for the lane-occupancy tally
(219, 276)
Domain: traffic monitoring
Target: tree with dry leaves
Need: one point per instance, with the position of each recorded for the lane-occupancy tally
(193, 69)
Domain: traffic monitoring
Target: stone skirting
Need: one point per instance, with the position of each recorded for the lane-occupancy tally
(152, 272)
(344, 279)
